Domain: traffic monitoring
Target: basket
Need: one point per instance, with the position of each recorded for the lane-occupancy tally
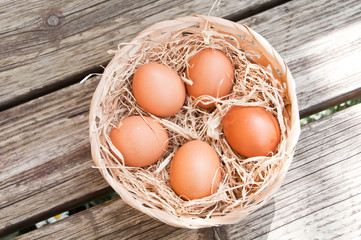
(258, 51)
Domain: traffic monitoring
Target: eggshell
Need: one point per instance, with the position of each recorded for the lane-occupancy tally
(212, 74)
(195, 170)
(141, 140)
(251, 131)
(158, 89)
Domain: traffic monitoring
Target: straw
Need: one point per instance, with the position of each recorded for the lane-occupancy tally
(261, 79)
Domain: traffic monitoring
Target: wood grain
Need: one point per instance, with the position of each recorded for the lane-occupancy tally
(44, 149)
(45, 158)
(321, 196)
(46, 45)
(37, 57)
(320, 199)
(321, 43)
(130, 224)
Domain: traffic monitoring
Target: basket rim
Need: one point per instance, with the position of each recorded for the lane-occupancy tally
(179, 23)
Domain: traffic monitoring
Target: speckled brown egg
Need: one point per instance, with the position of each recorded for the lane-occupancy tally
(212, 74)
(195, 170)
(158, 89)
(251, 131)
(141, 140)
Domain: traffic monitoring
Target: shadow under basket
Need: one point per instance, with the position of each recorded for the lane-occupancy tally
(147, 189)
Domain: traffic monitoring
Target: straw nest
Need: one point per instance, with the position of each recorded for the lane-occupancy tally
(261, 79)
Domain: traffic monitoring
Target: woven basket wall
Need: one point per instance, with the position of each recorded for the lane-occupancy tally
(262, 53)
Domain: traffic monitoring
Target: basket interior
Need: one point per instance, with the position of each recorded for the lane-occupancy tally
(246, 182)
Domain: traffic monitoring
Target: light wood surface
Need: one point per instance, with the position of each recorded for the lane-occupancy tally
(320, 199)
(45, 157)
(49, 44)
(36, 58)
(320, 42)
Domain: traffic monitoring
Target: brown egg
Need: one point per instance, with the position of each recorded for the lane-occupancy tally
(251, 131)
(212, 74)
(195, 170)
(141, 140)
(158, 89)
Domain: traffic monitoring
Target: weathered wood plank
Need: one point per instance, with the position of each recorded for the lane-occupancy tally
(321, 197)
(321, 43)
(51, 150)
(45, 158)
(100, 222)
(37, 44)
(46, 45)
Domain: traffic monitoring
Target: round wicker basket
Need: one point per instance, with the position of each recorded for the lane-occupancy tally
(259, 51)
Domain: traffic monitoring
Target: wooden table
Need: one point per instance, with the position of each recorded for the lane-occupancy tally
(47, 47)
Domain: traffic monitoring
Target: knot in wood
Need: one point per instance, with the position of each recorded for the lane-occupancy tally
(53, 20)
